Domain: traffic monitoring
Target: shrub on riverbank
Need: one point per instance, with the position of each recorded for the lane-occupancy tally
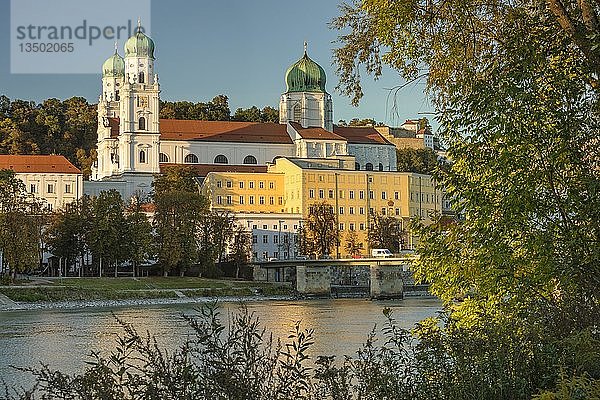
(440, 359)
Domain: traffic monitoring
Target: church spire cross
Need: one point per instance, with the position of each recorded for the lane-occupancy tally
(139, 29)
(116, 47)
(305, 47)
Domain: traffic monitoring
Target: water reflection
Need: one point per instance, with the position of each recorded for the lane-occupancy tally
(63, 339)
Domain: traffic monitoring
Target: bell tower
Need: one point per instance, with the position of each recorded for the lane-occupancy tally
(139, 130)
(306, 101)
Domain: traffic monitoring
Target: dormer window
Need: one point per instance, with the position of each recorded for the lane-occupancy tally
(142, 124)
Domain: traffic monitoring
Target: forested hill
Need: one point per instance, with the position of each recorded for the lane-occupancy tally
(68, 127)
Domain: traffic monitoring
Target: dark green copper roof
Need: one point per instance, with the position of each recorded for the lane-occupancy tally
(305, 75)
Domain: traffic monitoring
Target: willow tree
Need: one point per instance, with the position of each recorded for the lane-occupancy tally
(515, 86)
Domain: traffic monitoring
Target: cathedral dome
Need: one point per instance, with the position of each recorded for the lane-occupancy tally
(305, 75)
(114, 66)
(139, 45)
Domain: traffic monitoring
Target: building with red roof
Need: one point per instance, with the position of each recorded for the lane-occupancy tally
(51, 178)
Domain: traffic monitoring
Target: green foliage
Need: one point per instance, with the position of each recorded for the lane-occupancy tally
(215, 110)
(53, 127)
(179, 209)
(69, 230)
(516, 91)
(254, 114)
(22, 218)
(421, 161)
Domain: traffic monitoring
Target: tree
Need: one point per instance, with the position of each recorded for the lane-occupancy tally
(421, 161)
(516, 90)
(353, 246)
(179, 209)
(20, 235)
(215, 110)
(69, 231)
(240, 249)
(108, 229)
(320, 232)
(139, 235)
(215, 230)
(386, 233)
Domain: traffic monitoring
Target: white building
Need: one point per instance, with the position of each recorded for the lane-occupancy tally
(52, 178)
(134, 143)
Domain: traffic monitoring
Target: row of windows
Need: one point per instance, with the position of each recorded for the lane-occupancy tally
(228, 200)
(351, 194)
(265, 239)
(368, 167)
(220, 159)
(50, 188)
(261, 184)
(275, 227)
(425, 197)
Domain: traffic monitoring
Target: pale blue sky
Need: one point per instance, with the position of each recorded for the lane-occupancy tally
(239, 48)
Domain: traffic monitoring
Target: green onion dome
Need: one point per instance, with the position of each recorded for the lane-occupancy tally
(114, 66)
(305, 75)
(139, 45)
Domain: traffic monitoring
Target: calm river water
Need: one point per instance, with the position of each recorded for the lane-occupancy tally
(63, 338)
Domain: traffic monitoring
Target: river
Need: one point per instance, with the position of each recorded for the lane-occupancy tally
(64, 338)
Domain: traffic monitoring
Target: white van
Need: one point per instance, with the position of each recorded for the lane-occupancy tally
(385, 253)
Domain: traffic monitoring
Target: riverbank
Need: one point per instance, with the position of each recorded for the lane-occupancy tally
(88, 292)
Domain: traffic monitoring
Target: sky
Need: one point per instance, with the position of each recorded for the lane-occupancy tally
(239, 48)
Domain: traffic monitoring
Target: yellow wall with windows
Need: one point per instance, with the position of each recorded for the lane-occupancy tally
(245, 192)
(355, 195)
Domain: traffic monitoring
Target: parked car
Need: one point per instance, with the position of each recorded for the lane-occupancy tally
(301, 257)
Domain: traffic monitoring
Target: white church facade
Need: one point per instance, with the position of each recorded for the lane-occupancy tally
(134, 144)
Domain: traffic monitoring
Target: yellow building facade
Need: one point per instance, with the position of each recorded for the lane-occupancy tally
(292, 185)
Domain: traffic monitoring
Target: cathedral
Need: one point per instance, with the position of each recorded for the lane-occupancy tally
(134, 144)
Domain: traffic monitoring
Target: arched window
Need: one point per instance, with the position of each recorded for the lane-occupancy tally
(357, 166)
(369, 166)
(380, 166)
(142, 124)
(250, 160)
(162, 157)
(297, 113)
(191, 159)
(141, 77)
(142, 157)
(221, 159)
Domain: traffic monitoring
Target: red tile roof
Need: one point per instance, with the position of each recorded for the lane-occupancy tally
(224, 131)
(315, 133)
(204, 169)
(38, 164)
(360, 135)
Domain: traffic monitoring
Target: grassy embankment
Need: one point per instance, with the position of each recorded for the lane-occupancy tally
(47, 290)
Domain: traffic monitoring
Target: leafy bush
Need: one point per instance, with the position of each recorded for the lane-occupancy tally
(439, 359)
